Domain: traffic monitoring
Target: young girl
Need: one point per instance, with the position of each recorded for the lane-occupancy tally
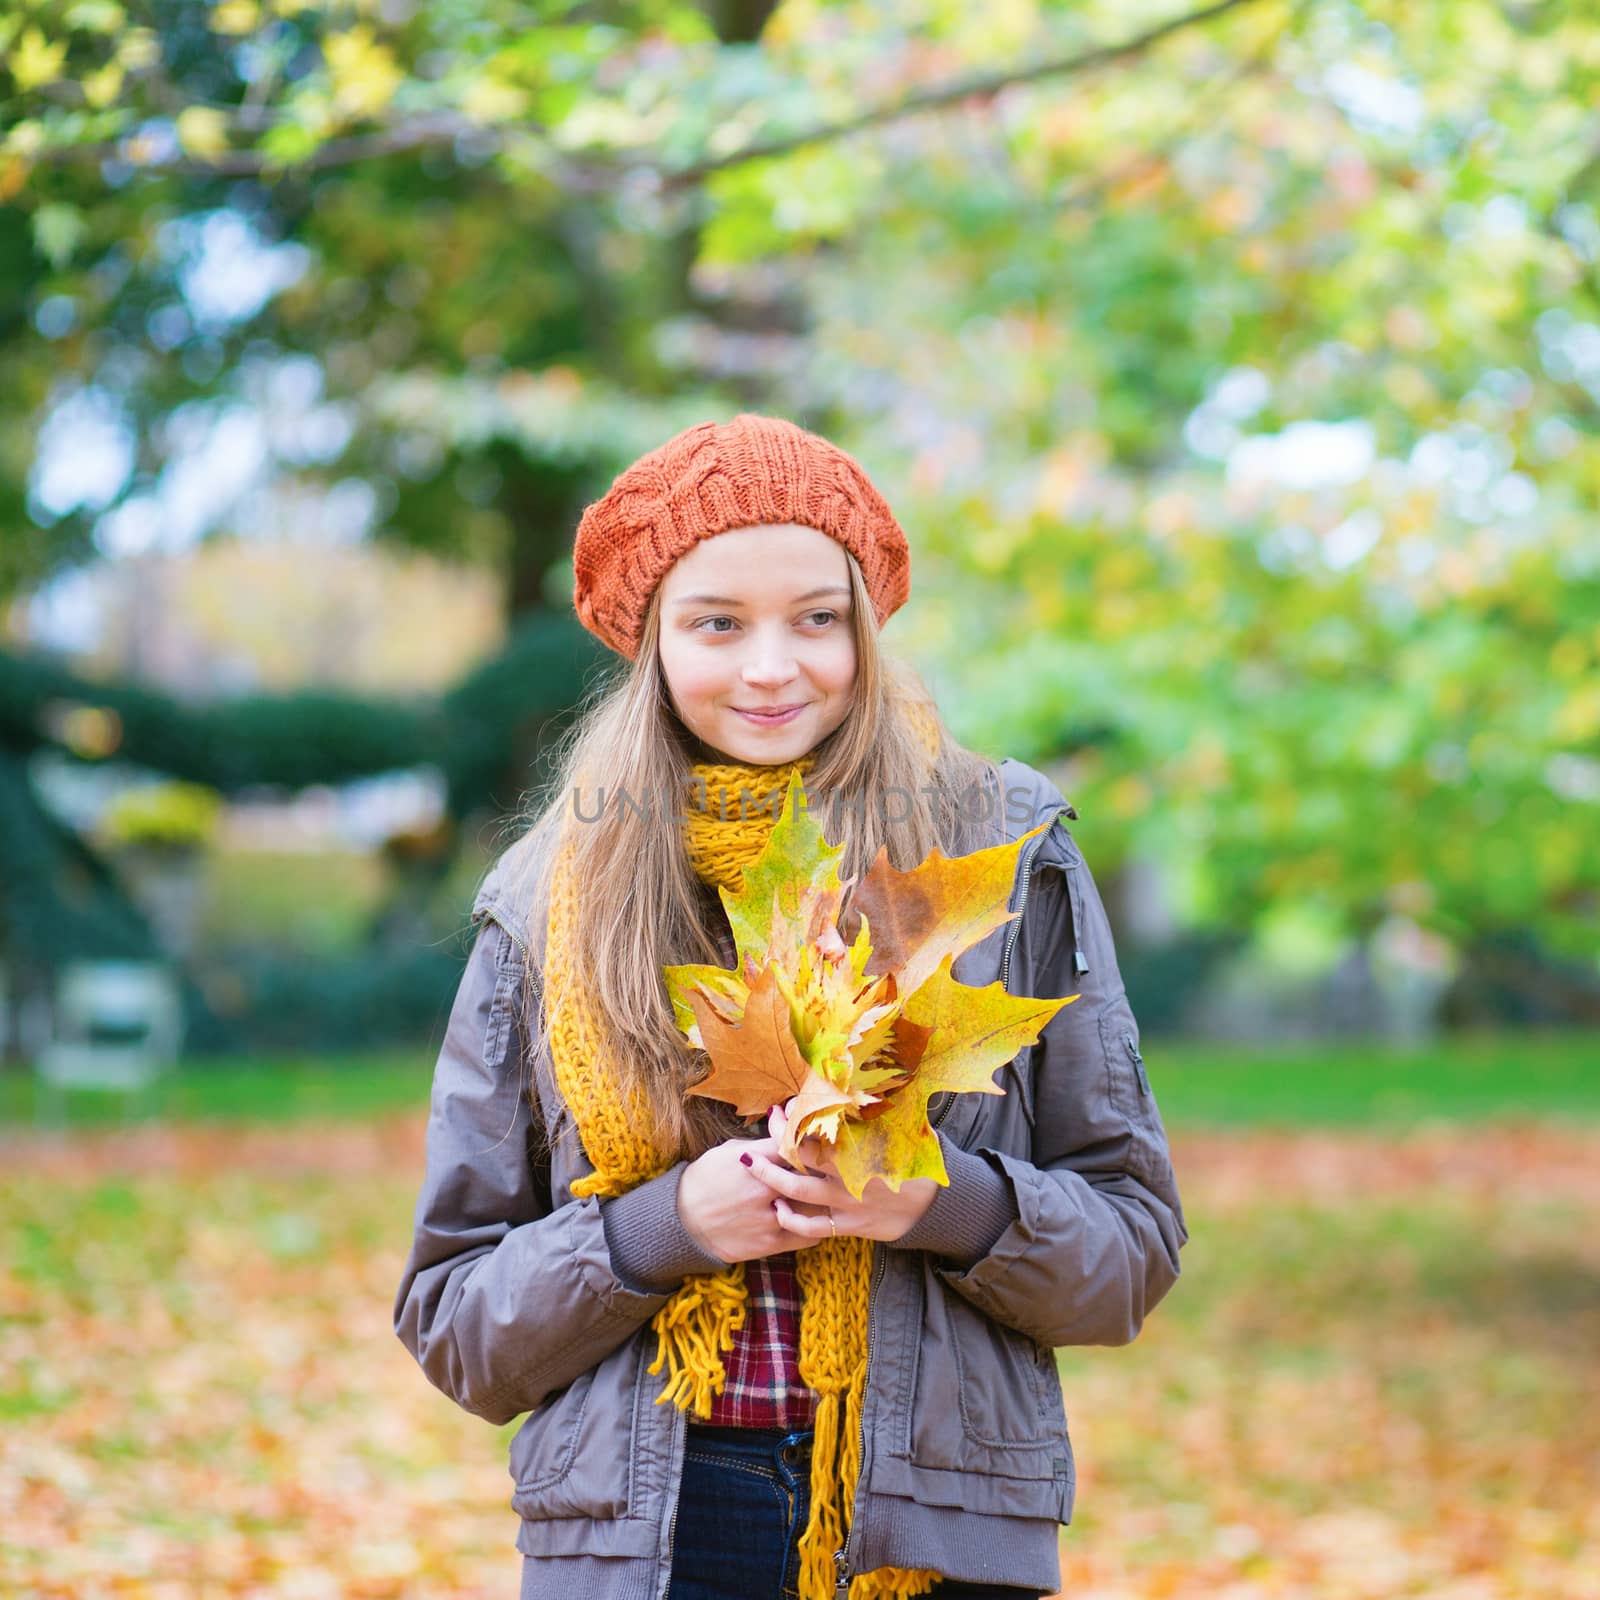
(742, 1382)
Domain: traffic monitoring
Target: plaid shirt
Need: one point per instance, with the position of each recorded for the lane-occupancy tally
(763, 1387)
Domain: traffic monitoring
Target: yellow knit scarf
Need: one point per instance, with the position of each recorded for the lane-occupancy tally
(701, 1318)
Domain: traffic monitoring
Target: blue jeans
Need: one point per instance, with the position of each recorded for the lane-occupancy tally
(745, 1499)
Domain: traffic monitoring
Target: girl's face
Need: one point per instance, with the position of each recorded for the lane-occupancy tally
(759, 619)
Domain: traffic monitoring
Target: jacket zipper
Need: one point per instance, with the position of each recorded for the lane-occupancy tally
(516, 938)
(1022, 905)
(672, 1525)
(1138, 1063)
(842, 1556)
(1080, 964)
(510, 932)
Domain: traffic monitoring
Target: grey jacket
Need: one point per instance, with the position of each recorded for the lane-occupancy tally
(1061, 1225)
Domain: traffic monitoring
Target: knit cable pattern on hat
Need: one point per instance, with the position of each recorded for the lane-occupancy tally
(709, 479)
(699, 1321)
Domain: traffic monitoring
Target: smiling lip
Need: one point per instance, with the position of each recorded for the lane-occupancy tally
(773, 718)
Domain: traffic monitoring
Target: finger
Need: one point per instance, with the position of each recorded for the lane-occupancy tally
(817, 1155)
(796, 1185)
(814, 1157)
(804, 1225)
(745, 1151)
(806, 1156)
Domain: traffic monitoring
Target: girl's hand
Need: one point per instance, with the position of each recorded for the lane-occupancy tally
(729, 1211)
(802, 1202)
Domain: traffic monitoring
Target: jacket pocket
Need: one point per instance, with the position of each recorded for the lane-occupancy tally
(1128, 1089)
(1126, 1084)
(573, 1456)
(1019, 1072)
(981, 1397)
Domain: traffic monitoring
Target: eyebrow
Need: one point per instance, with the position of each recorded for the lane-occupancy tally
(730, 600)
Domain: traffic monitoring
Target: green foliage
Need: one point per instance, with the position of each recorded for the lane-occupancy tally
(58, 900)
(369, 1000)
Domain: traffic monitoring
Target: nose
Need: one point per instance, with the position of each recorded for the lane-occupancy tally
(771, 664)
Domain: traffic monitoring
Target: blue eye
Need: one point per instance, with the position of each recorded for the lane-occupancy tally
(702, 622)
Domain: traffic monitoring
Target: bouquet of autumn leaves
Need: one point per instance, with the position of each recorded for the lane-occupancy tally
(862, 1035)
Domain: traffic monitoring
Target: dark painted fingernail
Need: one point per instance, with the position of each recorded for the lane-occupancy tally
(746, 1161)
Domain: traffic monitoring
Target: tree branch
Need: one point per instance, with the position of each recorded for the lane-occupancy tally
(980, 85)
(594, 175)
(1162, 150)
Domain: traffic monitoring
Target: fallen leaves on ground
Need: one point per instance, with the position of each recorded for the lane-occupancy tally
(1376, 1377)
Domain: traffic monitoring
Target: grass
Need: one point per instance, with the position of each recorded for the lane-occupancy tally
(1199, 1085)
(254, 1090)
(1471, 1077)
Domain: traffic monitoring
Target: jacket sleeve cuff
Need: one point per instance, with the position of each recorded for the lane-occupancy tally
(648, 1241)
(968, 1214)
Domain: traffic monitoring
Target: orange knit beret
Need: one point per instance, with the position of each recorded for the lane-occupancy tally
(709, 479)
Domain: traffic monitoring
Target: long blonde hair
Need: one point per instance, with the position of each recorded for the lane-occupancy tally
(645, 908)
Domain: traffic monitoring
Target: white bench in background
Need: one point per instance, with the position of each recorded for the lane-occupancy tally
(117, 1025)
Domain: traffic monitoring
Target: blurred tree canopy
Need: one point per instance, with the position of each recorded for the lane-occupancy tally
(1234, 370)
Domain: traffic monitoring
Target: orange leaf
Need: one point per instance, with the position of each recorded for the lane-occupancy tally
(756, 1063)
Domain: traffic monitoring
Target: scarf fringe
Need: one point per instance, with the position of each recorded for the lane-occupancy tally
(824, 1530)
(835, 1472)
(599, 1183)
(693, 1328)
(902, 1583)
